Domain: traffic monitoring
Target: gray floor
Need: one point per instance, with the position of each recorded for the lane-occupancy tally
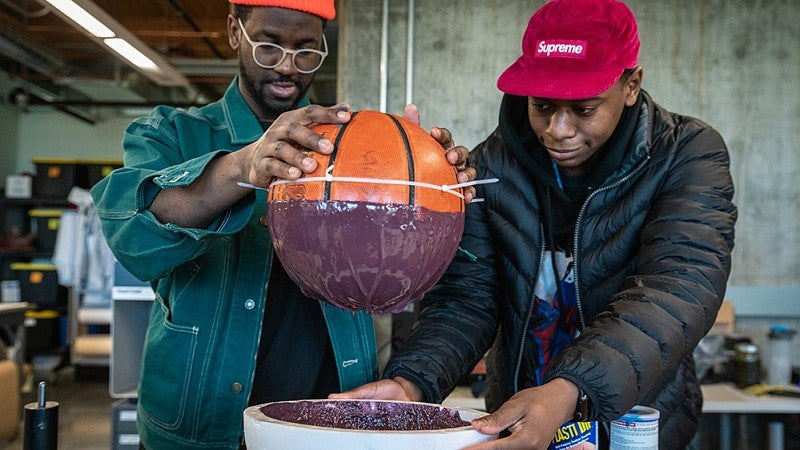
(84, 414)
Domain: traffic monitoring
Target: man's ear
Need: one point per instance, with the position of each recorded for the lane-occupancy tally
(633, 85)
(234, 33)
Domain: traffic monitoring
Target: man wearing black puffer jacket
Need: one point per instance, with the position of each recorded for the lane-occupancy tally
(598, 261)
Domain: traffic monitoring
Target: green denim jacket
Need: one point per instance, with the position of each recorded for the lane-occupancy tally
(201, 344)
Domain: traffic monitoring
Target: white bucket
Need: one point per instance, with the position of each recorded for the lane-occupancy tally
(262, 433)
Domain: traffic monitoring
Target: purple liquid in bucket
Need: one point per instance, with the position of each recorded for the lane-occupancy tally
(366, 415)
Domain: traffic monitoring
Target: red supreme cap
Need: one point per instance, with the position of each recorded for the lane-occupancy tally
(573, 49)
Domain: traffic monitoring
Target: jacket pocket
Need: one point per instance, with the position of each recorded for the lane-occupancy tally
(167, 362)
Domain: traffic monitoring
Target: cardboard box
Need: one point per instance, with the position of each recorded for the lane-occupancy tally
(10, 399)
(725, 322)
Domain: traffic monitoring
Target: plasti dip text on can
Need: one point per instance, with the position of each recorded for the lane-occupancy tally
(637, 430)
(575, 435)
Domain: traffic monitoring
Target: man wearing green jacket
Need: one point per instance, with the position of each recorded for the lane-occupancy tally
(228, 327)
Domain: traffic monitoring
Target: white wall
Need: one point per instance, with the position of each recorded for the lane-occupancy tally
(736, 65)
(732, 63)
(48, 133)
(43, 132)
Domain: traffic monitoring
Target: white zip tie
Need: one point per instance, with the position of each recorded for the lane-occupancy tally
(449, 188)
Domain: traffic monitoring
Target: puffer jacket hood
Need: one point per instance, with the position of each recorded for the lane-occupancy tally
(652, 251)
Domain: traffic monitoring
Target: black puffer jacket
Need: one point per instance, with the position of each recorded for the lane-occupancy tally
(652, 246)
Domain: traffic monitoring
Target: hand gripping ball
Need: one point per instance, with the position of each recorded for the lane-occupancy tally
(376, 224)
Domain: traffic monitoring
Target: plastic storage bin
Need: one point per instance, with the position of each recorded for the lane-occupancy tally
(45, 226)
(56, 177)
(43, 332)
(98, 169)
(39, 284)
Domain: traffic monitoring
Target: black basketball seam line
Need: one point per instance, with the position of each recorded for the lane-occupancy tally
(409, 159)
(327, 195)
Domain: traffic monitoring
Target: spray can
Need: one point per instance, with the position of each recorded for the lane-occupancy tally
(636, 430)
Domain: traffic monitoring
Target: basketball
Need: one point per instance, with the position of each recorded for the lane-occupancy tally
(375, 225)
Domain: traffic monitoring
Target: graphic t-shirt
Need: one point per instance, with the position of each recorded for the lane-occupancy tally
(554, 318)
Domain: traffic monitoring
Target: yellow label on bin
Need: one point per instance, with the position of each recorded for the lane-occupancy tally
(32, 266)
(43, 314)
(54, 172)
(52, 224)
(46, 212)
(42, 267)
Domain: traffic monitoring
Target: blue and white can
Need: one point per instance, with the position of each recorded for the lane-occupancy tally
(636, 430)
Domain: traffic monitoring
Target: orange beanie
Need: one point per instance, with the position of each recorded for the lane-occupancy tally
(322, 8)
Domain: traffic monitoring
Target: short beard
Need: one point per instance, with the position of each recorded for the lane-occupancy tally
(270, 108)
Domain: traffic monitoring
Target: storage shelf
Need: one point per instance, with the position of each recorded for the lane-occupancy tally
(88, 349)
(37, 201)
(38, 217)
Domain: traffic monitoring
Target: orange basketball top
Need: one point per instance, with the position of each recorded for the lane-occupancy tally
(378, 146)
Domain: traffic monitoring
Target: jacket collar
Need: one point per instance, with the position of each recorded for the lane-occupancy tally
(520, 141)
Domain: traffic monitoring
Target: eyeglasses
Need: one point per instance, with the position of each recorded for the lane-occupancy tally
(270, 56)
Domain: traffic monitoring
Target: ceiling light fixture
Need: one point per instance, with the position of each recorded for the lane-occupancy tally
(129, 52)
(106, 31)
(79, 15)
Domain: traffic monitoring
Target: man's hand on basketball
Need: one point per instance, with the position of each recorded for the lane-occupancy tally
(279, 152)
(456, 155)
(282, 150)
